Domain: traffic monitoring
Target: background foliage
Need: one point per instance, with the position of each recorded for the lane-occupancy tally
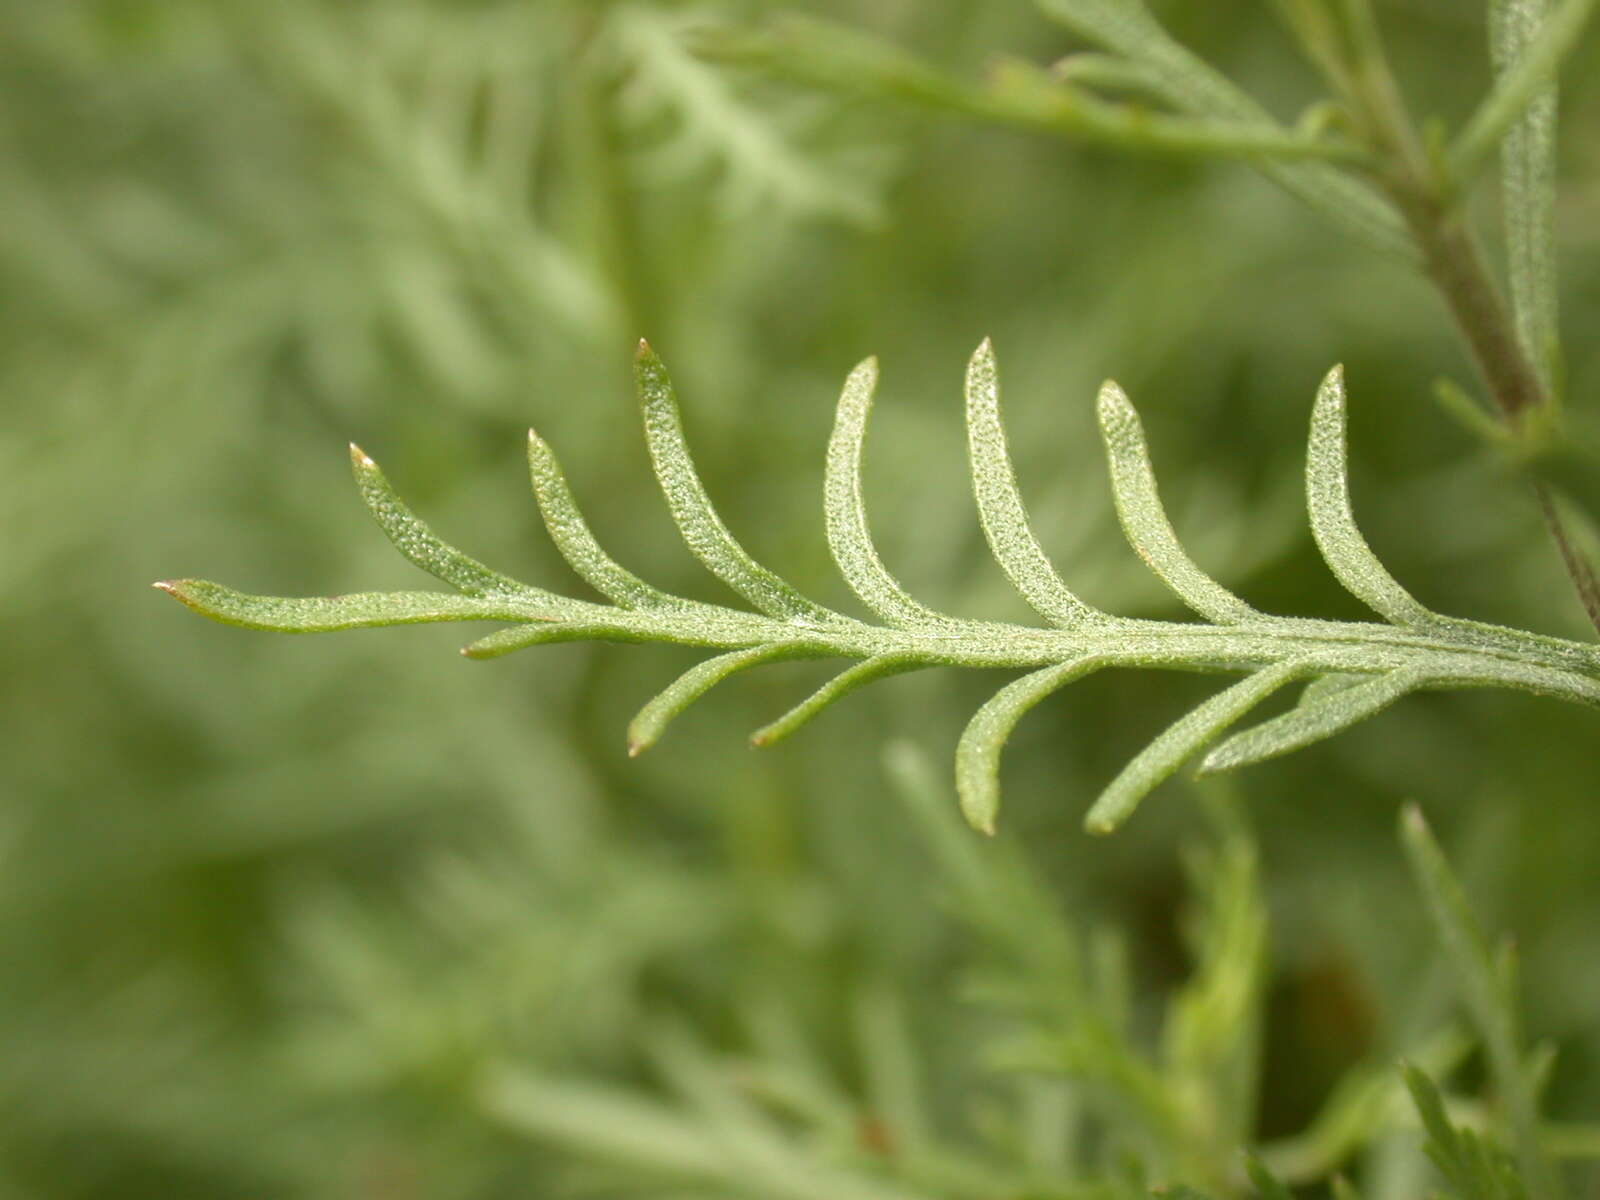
(354, 917)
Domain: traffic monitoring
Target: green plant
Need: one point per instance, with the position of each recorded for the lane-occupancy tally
(1108, 1100)
(1355, 670)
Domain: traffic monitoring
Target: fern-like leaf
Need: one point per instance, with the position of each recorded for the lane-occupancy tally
(1353, 669)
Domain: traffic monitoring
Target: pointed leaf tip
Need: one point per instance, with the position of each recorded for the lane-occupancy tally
(165, 585)
(419, 543)
(1111, 397)
(865, 371)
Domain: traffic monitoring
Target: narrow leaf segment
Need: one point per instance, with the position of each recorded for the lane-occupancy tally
(1353, 669)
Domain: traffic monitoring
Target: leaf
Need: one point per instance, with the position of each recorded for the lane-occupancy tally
(1144, 520)
(1167, 753)
(652, 720)
(1355, 668)
(326, 614)
(691, 508)
(1487, 987)
(1525, 78)
(1528, 183)
(577, 544)
(1017, 93)
(1319, 715)
(1000, 507)
(420, 544)
(978, 753)
(837, 688)
(849, 538)
(1474, 1169)
(1193, 86)
(1333, 523)
(753, 160)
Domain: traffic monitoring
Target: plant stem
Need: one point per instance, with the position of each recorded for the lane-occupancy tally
(1455, 264)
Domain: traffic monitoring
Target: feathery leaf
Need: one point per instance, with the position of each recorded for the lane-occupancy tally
(1355, 668)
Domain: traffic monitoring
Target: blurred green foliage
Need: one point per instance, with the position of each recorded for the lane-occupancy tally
(353, 917)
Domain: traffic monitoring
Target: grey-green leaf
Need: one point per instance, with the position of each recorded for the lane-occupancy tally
(849, 538)
(1144, 520)
(1523, 80)
(1358, 667)
(1000, 508)
(1528, 185)
(691, 508)
(577, 544)
(647, 727)
(978, 754)
(1318, 715)
(1333, 522)
(837, 688)
(326, 614)
(412, 537)
(1167, 753)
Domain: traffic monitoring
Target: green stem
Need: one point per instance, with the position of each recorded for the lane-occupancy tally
(1455, 265)
(1451, 652)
